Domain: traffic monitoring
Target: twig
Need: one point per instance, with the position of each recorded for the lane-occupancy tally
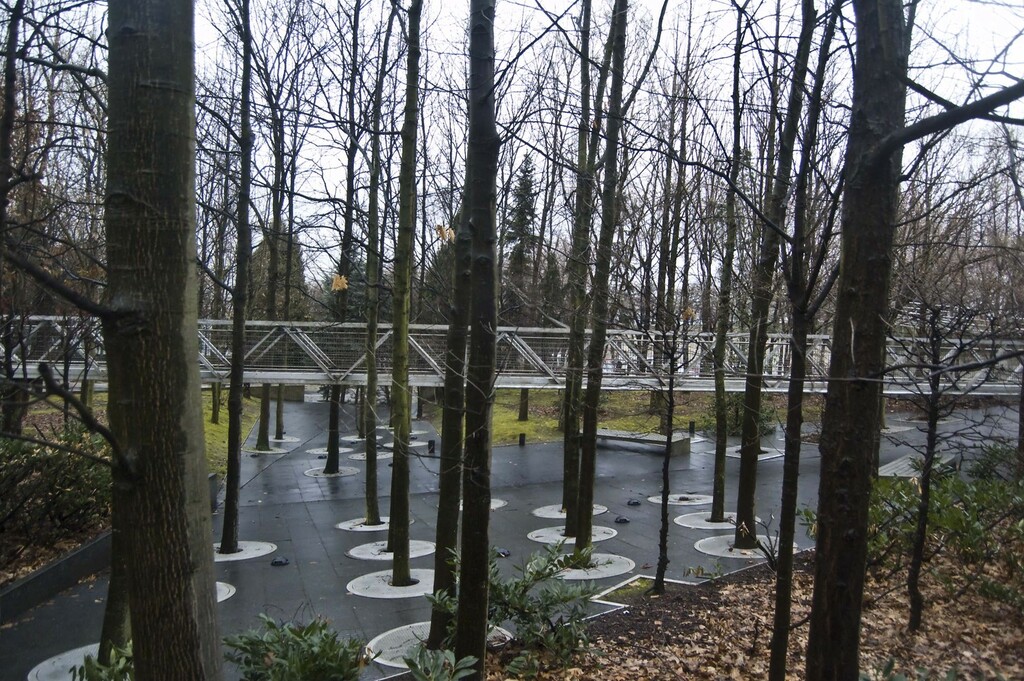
(85, 414)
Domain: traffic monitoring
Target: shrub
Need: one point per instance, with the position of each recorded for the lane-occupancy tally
(976, 524)
(295, 652)
(438, 665)
(121, 667)
(49, 495)
(547, 614)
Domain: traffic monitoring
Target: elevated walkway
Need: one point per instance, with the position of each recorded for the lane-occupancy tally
(318, 353)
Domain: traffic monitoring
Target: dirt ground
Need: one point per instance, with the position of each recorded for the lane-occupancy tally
(721, 629)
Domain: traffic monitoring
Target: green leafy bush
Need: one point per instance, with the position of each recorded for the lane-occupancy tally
(295, 652)
(547, 614)
(438, 665)
(121, 667)
(975, 523)
(48, 495)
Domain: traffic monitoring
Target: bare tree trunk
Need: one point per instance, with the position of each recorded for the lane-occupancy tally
(670, 351)
(761, 296)
(599, 303)
(155, 409)
(240, 292)
(450, 477)
(725, 287)
(479, 205)
(858, 340)
(790, 478)
(13, 400)
(399, 522)
(369, 406)
(933, 403)
(802, 311)
(576, 267)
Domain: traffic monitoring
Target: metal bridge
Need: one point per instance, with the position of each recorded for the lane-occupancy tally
(327, 353)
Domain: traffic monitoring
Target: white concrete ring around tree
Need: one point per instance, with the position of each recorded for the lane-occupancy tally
(343, 472)
(272, 450)
(684, 499)
(554, 535)
(57, 667)
(224, 591)
(555, 511)
(286, 438)
(246, 550)
(378, 585)
(392, 646)
(359, 525)
(721, 546)
(766, 453)
(323, 450)
(699, 521)
(603, 565)
(495, 504)
(413, 444)
(412, 433)
(378, 550)
(361, 456)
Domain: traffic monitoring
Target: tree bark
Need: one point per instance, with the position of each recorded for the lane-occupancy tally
(481, 180)
(524, 404)
(240, 292)
(576, 267)
(802, 312)
(369, 406)
(450, 477)
(155, 407)
(399, 522)
(761, 296)
(858, 341)
(725, 287)
(599, 303)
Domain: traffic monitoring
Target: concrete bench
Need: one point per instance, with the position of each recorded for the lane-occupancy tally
(680, 441)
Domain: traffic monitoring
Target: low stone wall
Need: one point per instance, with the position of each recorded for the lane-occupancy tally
(63, 573)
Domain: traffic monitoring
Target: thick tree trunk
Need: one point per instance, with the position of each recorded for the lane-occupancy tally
(599, 304)
(155, 409)
(481, 175)
(400, 403)
(13, 399)
(524, 404)
(761, 296)
(117, 624)
(858, 340)
(1020, 431)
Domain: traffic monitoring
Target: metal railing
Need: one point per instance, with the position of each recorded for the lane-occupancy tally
(324, 353)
